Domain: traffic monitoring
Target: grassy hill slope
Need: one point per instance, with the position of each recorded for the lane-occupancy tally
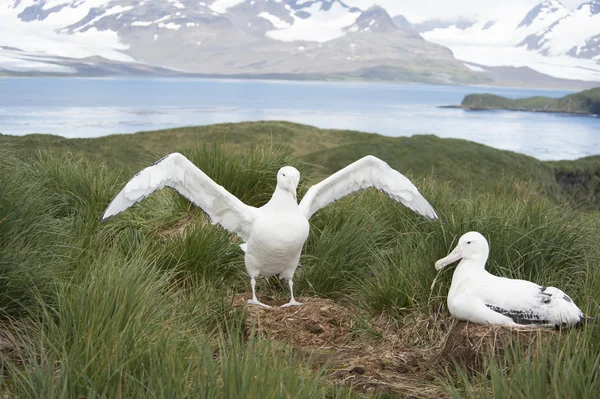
(152, 302)
(470, 166)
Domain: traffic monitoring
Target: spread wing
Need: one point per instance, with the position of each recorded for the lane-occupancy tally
(179, 173)
(366, 172)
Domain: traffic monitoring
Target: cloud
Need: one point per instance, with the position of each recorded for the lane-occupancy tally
(420, 10)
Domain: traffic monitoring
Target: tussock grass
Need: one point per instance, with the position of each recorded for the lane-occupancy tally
(127, 330)
(27, 233)
(560, 366)
(253, 176)
(206, 252)
(142, 305)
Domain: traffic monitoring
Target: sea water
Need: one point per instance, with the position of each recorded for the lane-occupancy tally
(92, 107)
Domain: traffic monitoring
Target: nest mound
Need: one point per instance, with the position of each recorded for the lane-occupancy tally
(325, 335)
(466, 343)
(317, 323)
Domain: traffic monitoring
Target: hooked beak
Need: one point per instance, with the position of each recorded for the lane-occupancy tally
(292, 184)
(455, 255)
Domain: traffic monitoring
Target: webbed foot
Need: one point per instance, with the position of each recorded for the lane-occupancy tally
(258, 303)
(292, 303)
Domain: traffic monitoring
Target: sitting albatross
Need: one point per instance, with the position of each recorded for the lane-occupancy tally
(274, 233)
(480, 297)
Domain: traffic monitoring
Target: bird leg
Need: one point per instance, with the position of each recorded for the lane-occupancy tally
(292, 301)
(254, 300)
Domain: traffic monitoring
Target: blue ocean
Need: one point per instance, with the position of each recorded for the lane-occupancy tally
(82, 107)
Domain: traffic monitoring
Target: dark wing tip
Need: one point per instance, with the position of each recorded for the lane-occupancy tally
(520, 316)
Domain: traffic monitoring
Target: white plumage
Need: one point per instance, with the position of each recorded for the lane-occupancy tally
(274, 233)
(480, 297)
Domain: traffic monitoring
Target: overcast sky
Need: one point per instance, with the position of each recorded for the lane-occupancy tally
(418, 10)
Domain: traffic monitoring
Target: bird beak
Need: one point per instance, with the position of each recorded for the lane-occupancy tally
(292, 184)
(455, 255)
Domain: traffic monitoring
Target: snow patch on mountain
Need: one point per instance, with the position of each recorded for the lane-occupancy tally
(321, 26)
(45, 37)
(15, 61)
(169, 25)
(221, 6)
(545, 40)
(474, 67)
(561, 67)
(277, 23)
(571, 31)
(544, 14)
(111, 11)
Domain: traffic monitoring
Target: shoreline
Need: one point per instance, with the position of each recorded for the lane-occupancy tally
(547, 111)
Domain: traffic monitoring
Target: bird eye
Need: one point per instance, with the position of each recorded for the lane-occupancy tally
(283, 174)
(468, 242)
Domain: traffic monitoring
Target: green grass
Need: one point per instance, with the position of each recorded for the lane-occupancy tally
(142, 305)
(563, 366)
(127, 329)
(469, 166)
(584, 102)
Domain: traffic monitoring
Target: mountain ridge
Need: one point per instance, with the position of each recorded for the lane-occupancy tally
(291, 39)
(324, 38)
(549, 38)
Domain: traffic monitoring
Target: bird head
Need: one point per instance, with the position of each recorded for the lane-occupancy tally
(287, 179)
(471, 246)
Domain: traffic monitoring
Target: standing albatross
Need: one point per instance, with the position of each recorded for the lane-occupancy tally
(275, 233)
(480, 297)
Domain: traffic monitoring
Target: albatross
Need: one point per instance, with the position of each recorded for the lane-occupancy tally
(480, 297)
(275, 233)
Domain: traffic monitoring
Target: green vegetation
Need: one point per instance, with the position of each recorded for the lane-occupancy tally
(580, 179)
(469, 166)
(585, 102)
(148, 303)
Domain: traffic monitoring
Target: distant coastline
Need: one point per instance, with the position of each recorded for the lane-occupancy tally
(556, 84)
(586, 102)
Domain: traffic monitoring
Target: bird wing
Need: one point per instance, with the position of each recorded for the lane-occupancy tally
(179, 173)
(366, 172)
(528, 303)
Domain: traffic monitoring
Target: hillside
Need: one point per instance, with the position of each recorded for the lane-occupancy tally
(469, 166)
(579, 179)
(152, 303)
(585, 102)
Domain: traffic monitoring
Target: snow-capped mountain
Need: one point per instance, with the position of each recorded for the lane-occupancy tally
(292, 38)
(543, 15)
(431, 24)
(550, 39)
(224, 37)
(574, 33)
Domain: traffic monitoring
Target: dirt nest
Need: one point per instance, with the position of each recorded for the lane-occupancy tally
(407, 361)
(317, 323)
(325, 335)
(466, 343)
